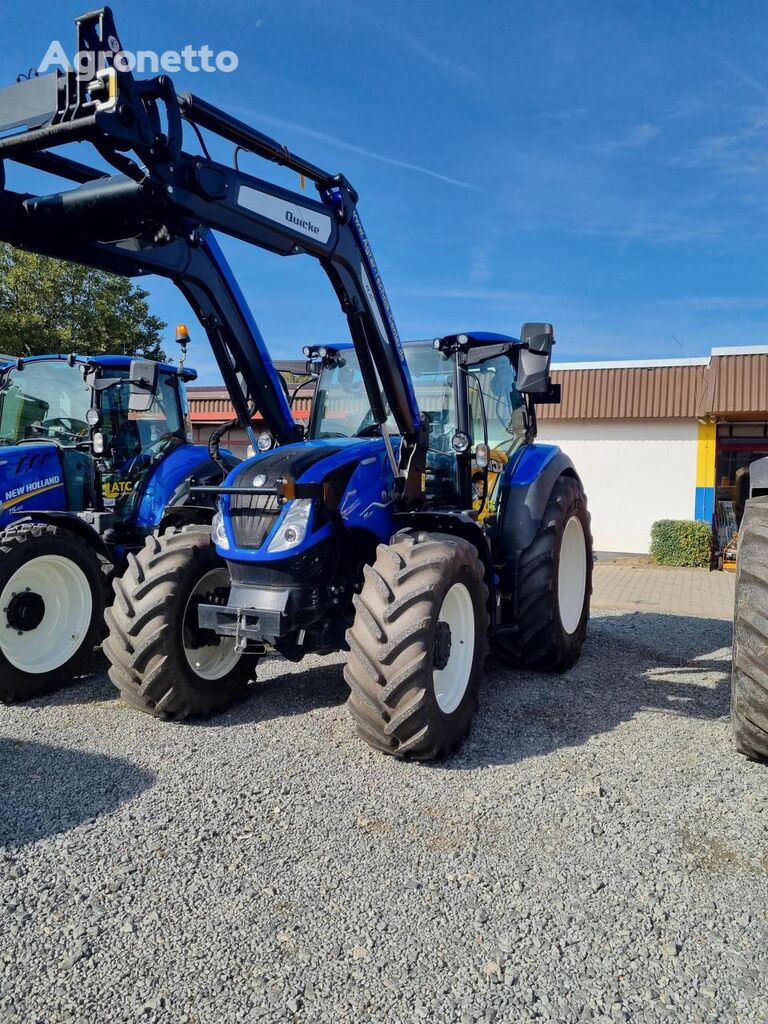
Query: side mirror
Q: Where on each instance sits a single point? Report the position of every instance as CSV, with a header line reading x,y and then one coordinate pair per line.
x,y
536,341
143,385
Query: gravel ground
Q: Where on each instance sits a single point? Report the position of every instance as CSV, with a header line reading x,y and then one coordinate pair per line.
x,y
596,852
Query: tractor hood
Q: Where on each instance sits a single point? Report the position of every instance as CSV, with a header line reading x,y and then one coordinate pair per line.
x,y
356,471
304,462
31,479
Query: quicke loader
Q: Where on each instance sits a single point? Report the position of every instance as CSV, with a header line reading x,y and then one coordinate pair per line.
x,y
414,523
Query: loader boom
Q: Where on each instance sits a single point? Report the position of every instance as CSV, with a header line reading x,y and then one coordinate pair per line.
x,y
155,217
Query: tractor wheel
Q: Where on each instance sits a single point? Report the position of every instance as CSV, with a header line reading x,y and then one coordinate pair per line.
x,y
417,646
749,681
52,596
554,585
160,660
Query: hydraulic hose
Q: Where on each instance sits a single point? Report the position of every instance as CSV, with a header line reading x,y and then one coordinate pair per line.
x,y
213,444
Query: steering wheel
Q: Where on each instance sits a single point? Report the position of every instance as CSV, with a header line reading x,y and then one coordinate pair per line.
x,y
369,430
135,464
58,426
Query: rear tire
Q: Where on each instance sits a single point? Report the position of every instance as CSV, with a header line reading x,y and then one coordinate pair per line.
x,y
159,660
554,586
749,680
418,644
52,596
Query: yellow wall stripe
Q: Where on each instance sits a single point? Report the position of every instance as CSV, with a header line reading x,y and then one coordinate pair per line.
x,y
705,455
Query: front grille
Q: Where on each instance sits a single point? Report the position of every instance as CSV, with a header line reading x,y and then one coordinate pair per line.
x,y
253,516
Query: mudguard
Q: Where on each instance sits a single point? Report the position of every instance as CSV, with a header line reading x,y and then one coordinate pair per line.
x,y
31,479
525,487
171,479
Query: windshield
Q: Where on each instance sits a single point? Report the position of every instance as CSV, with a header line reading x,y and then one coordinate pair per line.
x,y
44,399
342,408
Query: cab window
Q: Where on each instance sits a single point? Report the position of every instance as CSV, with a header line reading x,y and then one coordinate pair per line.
x,y
128,433
45,399
504,405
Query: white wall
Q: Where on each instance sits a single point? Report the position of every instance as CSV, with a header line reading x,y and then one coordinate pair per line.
x,y
634,472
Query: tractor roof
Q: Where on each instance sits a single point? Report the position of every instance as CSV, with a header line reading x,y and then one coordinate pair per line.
x,y
482,337
115,362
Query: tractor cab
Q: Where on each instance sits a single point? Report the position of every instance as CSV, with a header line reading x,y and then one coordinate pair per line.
x,y
73,436
470,390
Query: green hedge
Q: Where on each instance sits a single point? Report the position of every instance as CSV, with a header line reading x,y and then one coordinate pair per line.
x,y
681,542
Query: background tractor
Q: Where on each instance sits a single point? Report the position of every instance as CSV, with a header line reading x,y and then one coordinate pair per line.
x,y
749,684
94,456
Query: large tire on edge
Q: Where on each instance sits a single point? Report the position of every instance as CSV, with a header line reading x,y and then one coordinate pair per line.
x,y
159,659
749,679
546,637
52,596
414,683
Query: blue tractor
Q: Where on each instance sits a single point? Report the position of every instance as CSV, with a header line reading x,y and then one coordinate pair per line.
x,y
412,525
94,456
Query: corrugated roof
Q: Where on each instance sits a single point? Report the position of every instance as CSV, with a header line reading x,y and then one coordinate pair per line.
x,y
727,385
740,385
628,392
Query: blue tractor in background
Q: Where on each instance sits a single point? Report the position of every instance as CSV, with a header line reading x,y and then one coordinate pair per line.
x,y
94,456
415,523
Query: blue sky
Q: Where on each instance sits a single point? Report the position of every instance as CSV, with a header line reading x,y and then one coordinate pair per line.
x,y
603,166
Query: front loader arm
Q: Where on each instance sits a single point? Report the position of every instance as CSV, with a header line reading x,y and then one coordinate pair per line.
x,y
165,196
197,267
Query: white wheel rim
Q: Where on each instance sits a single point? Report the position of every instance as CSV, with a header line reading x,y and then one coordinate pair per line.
x,y
215,660
451,682
66,594
572,575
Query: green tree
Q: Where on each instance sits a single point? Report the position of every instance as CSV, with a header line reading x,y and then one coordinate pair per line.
x,y
49,305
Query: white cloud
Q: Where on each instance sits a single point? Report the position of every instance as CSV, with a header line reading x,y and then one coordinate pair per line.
x,y
636,138
440,60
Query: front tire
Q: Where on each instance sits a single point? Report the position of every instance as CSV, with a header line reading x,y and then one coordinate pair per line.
x,y
160,661
417,646
52,596
554,586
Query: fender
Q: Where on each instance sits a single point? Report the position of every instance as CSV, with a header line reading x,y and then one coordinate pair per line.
x,y
169,483
75,522
525,487
184,509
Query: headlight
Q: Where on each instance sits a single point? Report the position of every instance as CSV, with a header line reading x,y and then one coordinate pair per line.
x,y
460,442
293,528
265,441
218,532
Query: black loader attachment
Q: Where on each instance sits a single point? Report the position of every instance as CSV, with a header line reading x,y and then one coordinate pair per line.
x,y
155,214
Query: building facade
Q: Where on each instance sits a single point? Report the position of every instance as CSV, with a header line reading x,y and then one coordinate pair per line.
x,y
662,439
